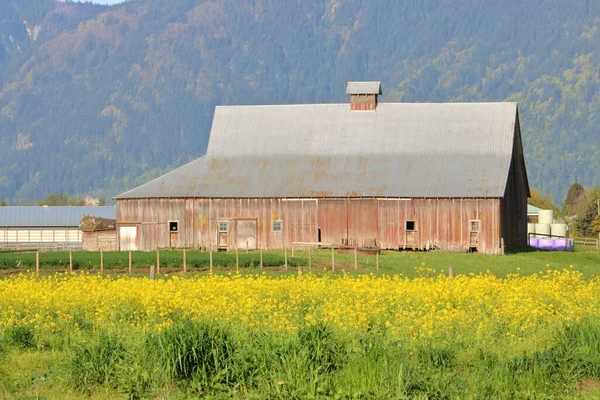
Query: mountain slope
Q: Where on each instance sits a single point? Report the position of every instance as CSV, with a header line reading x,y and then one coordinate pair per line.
x,y
118,95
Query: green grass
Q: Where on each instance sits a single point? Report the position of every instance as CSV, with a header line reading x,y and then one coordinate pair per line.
x,y
201,360
585,260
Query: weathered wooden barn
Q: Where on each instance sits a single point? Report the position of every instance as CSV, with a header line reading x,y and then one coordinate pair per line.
x,y
46,227
387,175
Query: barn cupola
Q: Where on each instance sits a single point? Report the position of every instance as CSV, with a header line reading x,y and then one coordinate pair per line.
x,y
363,95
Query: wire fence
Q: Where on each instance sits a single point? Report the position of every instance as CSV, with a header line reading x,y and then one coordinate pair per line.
x,y
302,257
168,261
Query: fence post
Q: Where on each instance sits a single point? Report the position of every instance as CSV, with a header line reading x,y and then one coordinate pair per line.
x,y
355,259
101,262
285,256
210,259
309,261
377,261
451,272
246,247
184,262
70,260
157,261
152,272
332,258
37,262
129,262
292,249
261,258
237,260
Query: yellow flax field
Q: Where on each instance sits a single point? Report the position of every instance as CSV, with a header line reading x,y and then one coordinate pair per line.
x,y
428,307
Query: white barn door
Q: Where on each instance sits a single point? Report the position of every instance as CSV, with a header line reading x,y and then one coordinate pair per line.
x,y
127,238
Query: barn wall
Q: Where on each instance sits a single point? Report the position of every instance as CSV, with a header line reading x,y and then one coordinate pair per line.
x,y
439,223
514,209
514,203
96,241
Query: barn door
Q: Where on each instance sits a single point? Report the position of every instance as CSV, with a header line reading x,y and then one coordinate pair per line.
x,y
223,235
474,229
128,238
411,234
173,233
246,234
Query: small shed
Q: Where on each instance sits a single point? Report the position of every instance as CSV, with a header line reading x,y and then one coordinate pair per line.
x,y
98,234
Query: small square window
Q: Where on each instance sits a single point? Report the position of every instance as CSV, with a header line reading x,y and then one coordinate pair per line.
x,y
173,226
475,225
409,225
277,226
223,226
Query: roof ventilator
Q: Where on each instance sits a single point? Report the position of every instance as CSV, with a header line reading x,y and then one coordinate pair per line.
x,y
363,95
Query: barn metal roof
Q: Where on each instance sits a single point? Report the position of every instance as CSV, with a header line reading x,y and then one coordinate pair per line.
x,y
363,88
326,150
40,216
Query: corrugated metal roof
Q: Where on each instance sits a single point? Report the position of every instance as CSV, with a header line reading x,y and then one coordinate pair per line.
x,y
51,216
363,88
399,150
325,176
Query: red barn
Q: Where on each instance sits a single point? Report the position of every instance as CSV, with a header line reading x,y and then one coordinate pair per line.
x,y
386,175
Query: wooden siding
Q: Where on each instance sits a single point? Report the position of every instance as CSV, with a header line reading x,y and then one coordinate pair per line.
x,y
439,223
96,241
363,102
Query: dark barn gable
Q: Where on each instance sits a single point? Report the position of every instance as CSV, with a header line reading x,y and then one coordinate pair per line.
x,y
446,176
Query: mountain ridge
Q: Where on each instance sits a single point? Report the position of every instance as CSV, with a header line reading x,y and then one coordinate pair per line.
x,y
127,92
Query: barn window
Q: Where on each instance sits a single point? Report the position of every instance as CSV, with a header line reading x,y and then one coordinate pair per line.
x,y
223,226
277,225
410,226
173,226
475,225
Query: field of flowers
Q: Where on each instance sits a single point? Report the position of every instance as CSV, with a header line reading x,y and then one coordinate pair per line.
x,y
307,336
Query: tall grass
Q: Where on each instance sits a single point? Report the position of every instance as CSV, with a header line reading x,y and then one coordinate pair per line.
x,y
200,359
19,336
95,363
196,353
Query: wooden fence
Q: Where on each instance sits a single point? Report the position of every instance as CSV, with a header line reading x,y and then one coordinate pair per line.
x,y
178,260
587,242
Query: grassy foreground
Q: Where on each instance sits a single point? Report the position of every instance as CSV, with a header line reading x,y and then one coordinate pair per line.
x,y
308,336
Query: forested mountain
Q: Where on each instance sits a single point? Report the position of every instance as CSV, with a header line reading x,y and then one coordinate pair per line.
x,y
94,100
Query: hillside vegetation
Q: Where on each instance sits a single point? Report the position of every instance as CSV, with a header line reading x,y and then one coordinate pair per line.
x,y
94,100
